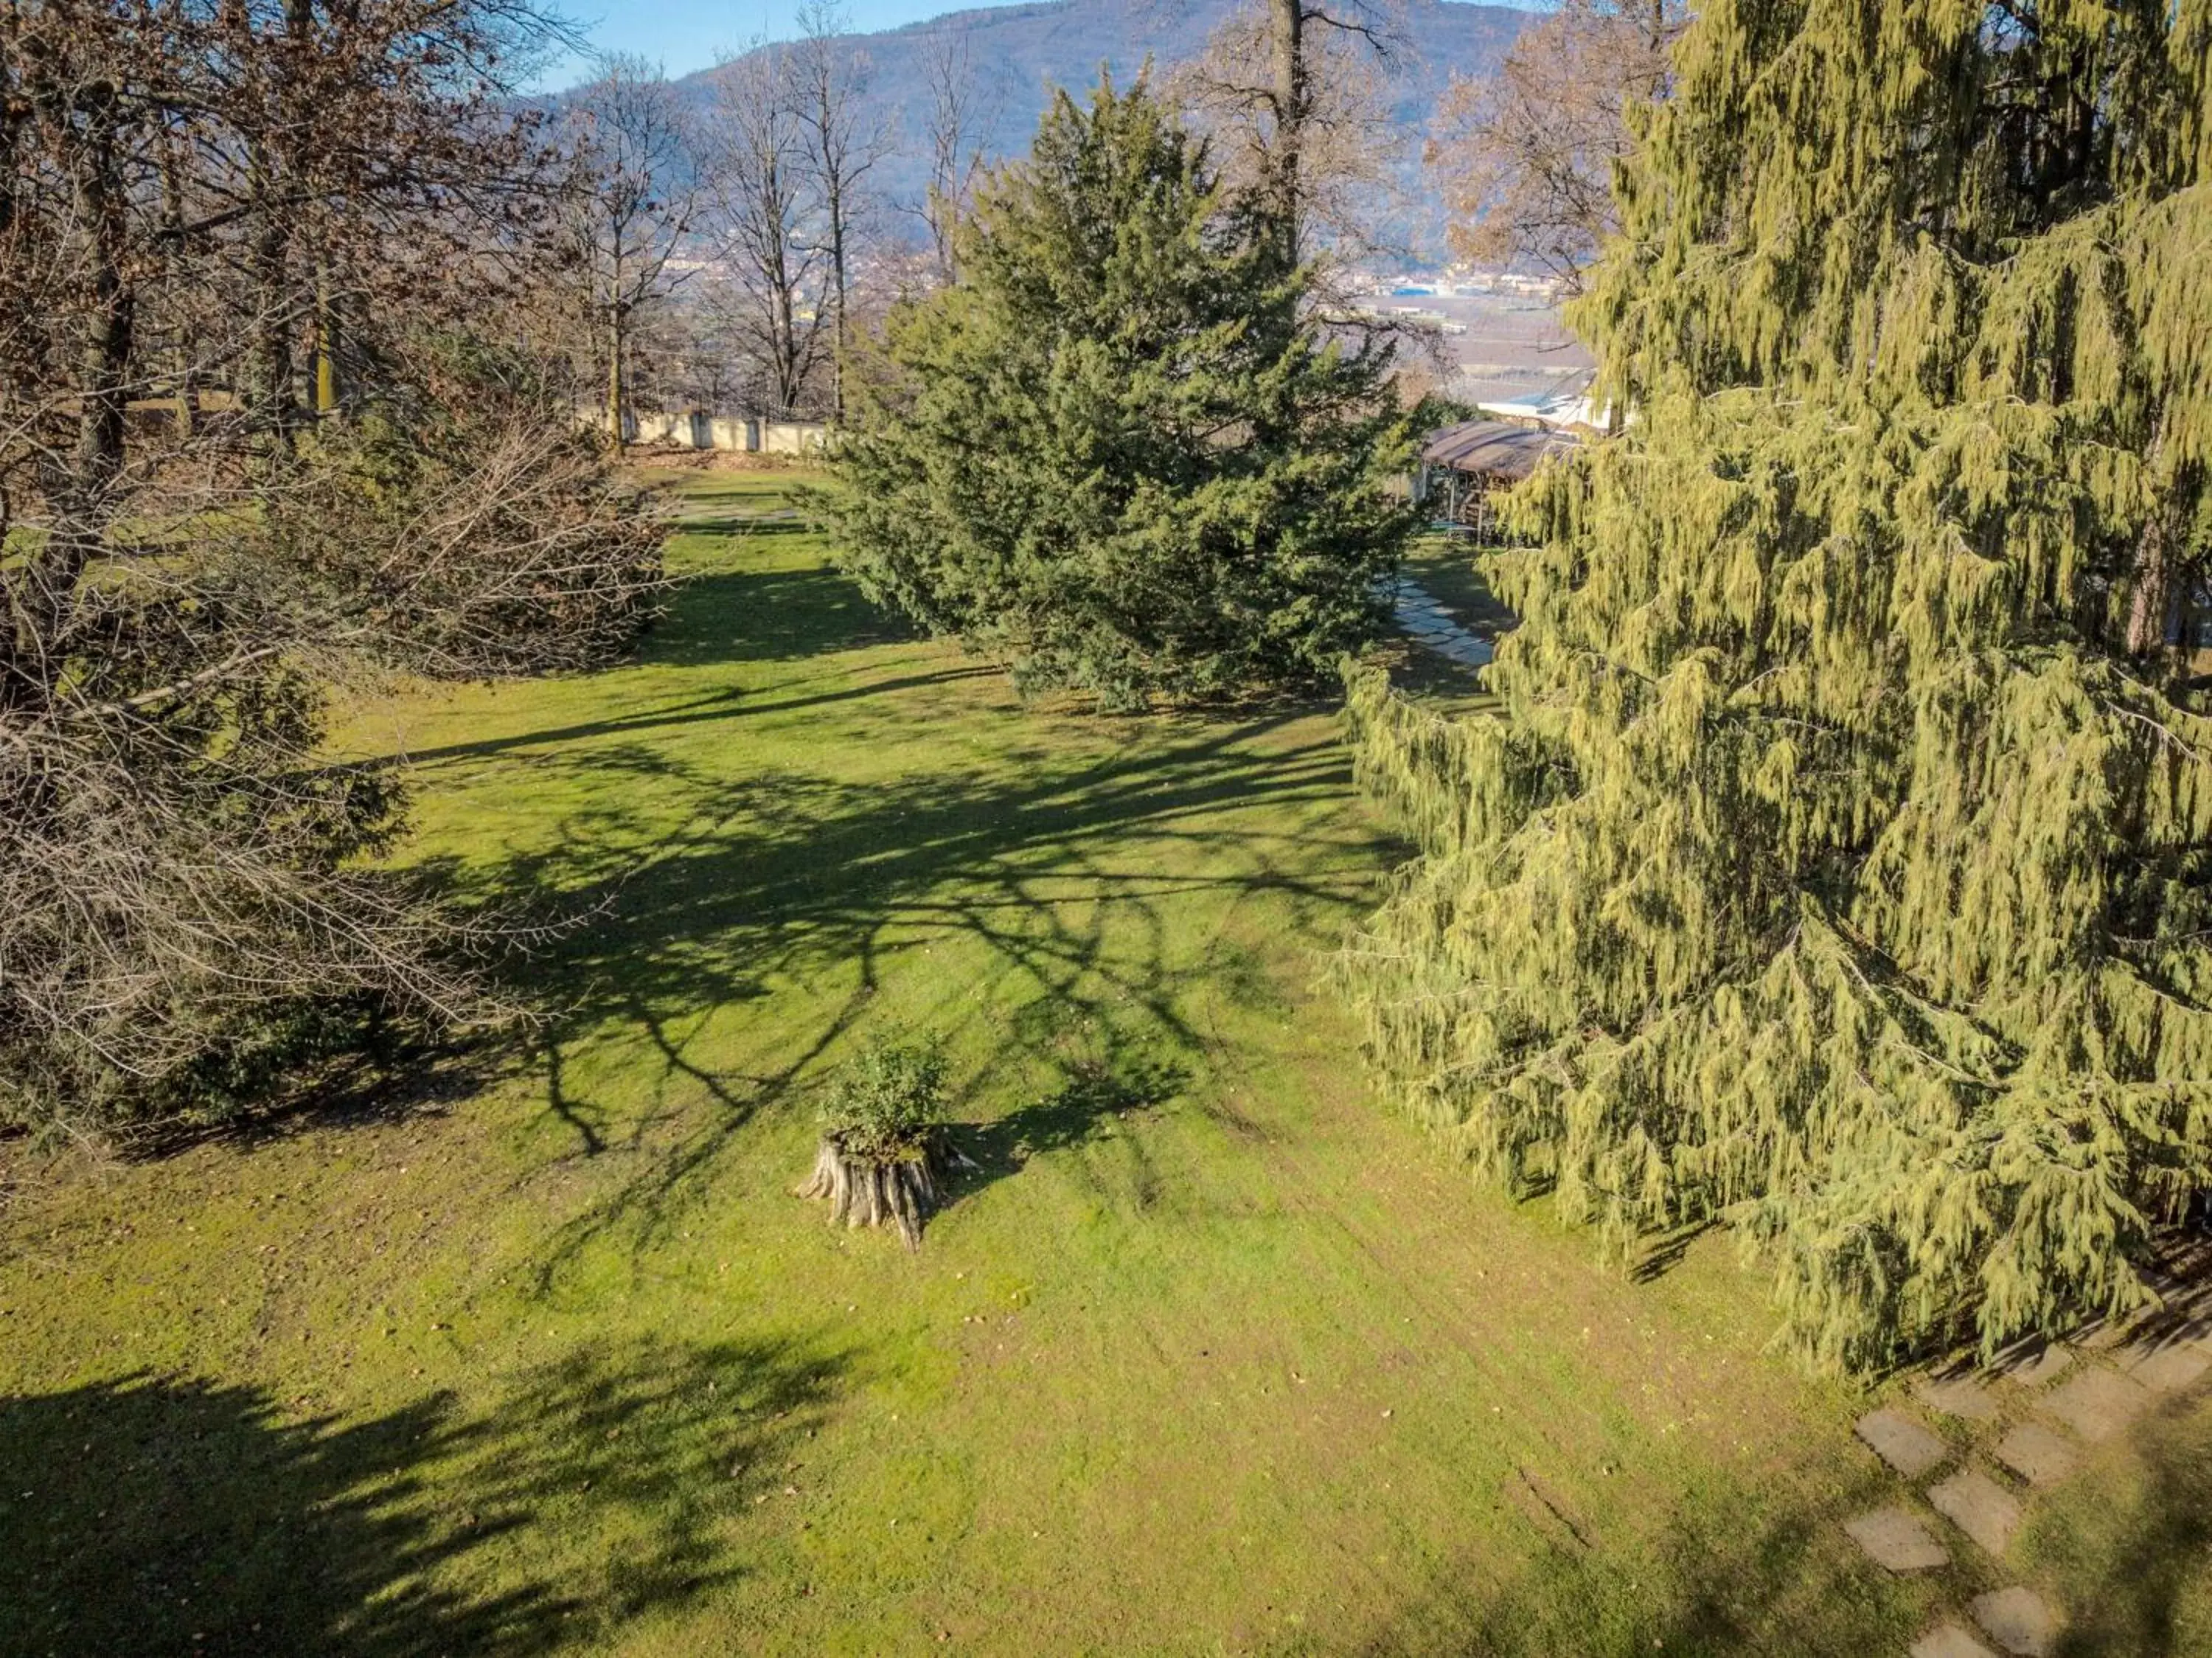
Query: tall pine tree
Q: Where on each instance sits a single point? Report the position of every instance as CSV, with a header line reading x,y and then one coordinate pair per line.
x,y
1116,454
1839,865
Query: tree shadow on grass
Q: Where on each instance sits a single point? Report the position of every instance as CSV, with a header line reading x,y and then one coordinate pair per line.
x,y
1065,872
1104,1079
727,705
2128,1543
775,615
732,521
1662,1251
153,1515
1729,1577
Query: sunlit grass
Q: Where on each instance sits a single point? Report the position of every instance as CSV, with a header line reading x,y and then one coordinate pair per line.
x,y
1207,1354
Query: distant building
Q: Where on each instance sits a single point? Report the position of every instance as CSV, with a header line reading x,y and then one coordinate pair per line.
x,y
1464,467
1563,406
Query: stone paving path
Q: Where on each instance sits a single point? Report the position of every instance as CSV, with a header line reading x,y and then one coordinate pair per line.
x,y
1432,627
2023,1428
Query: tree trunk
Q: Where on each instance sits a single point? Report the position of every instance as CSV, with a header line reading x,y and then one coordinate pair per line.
x,y
272,408
328,386
269,386
2150,602
104,363
2150,596
172,225
1286,29
899,1191
615,375
44,589
837,299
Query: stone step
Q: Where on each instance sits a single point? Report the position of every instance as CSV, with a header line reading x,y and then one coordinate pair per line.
x,y
1901,1442
1979,1507
2097,1403
2037,1454
1898,1541
1957,1396
1949,1641
2017,1620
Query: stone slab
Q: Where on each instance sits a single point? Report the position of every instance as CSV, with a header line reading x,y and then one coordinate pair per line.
x,y
2170,1369
2097,1403
1420,615
2018,1621
1901,1442
2037,1454
2167,1333
1957,1396
1979,1507
1897,1541
1949,1641
2098,1334
2031,1363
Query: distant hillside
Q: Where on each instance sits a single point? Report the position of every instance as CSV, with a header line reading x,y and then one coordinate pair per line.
x,y
1019,53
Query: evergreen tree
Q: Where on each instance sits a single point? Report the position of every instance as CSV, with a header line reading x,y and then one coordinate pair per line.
x,y
1839,866
1114,452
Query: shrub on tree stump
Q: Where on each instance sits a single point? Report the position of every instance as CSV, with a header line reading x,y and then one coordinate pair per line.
x,y
883,1153
865,1188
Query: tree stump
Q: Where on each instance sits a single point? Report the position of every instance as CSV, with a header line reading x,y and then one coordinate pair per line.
x,y
895,1188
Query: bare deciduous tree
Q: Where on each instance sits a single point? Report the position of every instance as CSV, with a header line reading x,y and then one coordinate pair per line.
x,y
766,226
841,144
1296,94
1525,159
188,188
955,120
633,204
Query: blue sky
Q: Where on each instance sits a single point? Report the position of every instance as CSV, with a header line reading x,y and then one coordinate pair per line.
x,y
684,35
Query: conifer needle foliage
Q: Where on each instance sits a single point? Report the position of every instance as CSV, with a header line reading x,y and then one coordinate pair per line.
x,y
1839,866
1118,452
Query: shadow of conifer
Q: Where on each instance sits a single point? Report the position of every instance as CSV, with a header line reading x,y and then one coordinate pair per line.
x,y
1732,1572
2127,1541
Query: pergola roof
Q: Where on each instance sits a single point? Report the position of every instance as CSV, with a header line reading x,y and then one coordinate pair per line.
x,y
1497,447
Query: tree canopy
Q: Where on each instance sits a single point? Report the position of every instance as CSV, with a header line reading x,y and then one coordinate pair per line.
x,y
251,438
1115,453
1839,865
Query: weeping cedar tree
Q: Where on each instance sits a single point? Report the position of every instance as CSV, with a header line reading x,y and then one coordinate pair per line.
x,y
1839,865
1115,453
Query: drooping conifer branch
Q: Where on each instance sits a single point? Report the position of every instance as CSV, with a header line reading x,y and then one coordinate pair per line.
x,y
1839,864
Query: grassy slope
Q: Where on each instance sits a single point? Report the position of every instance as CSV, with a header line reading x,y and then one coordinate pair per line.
x,y
1210,1355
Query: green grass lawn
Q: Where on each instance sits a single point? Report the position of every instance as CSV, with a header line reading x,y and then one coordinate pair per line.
x,y
1210,1354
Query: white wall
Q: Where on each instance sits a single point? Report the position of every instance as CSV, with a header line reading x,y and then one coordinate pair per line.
x,y
792,436
693,428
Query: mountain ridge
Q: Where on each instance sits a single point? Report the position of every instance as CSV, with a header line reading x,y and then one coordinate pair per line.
x,y
1018,54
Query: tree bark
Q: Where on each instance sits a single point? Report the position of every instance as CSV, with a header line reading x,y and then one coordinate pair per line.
x,y
104,362
271,411
45,590
2150,593
272,382
2150,602
837,300
173,225
1286,29
615,377
329,385
899,1191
